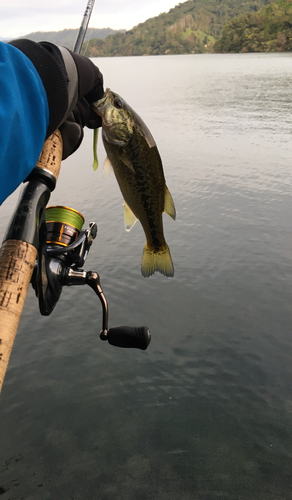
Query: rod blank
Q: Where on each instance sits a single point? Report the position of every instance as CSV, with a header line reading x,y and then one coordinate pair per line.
x,y
83,27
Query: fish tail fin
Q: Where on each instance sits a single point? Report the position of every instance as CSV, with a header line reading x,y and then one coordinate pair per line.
x,y
157,261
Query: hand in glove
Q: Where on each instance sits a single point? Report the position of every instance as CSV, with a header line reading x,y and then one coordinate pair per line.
x,y
72,82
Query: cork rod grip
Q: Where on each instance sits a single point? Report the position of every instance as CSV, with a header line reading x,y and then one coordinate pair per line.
x,y
51,155
17,259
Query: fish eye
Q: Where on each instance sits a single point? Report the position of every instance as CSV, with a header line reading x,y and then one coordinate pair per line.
x,y
118,103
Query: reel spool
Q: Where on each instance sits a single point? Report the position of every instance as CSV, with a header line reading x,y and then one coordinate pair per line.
x,y
64,225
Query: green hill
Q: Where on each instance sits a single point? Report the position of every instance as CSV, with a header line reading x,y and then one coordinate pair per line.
x,y
268,30
190,27
68,37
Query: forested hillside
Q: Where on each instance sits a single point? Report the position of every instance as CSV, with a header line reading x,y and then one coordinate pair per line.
x,y
190,27
268,30
68,37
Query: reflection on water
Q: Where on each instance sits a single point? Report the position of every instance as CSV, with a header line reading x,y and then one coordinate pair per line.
x,y
205,413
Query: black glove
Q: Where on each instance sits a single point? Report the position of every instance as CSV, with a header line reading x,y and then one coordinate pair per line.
x,y
72,82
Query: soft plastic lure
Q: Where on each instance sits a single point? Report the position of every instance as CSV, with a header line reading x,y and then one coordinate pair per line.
x,y
95,160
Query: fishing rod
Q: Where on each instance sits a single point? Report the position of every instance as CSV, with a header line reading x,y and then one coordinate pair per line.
x,y
83,27
50,253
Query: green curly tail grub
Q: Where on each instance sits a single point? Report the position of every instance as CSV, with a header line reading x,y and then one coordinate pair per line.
x,y
95,160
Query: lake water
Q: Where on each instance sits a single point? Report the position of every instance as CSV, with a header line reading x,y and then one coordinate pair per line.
x,y
206,412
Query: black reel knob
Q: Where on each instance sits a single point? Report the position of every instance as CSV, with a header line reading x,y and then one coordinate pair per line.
x,y
128,336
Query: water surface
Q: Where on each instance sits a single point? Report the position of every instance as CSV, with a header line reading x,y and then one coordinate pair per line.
x,y
206,412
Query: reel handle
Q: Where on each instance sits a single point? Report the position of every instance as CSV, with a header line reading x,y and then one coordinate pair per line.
x,y
128,336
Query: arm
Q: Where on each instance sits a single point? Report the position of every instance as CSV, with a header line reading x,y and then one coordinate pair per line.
x,y
24,118
42,87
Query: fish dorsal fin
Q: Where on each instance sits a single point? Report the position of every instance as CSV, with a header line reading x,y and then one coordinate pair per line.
x,y
126,160
107,168
130,218
169,207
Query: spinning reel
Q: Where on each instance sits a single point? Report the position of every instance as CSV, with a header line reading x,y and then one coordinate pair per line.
x,y
63,249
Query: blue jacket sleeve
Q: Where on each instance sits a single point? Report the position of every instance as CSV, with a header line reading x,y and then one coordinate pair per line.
x,y
24,118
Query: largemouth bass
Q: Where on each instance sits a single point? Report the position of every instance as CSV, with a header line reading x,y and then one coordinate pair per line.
x,y
133,154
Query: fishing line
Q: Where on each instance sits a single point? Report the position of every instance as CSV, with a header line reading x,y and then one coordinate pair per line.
x,y
65,215
85,48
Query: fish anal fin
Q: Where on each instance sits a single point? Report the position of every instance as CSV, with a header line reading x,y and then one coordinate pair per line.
x,y
130,218
169,207
107,168
157,261
126,160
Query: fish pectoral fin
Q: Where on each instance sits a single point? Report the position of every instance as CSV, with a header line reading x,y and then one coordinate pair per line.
x,y
126,160
130,218
107,168
169,207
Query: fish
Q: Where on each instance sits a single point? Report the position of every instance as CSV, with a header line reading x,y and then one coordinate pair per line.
x,y
133,155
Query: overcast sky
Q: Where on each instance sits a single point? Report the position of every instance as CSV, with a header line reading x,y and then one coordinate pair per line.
x,y
20,17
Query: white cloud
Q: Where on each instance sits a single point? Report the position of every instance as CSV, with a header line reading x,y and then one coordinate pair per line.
x,y
19,18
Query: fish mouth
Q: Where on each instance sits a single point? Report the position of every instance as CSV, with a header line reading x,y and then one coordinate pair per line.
x,y
101,102
99,105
